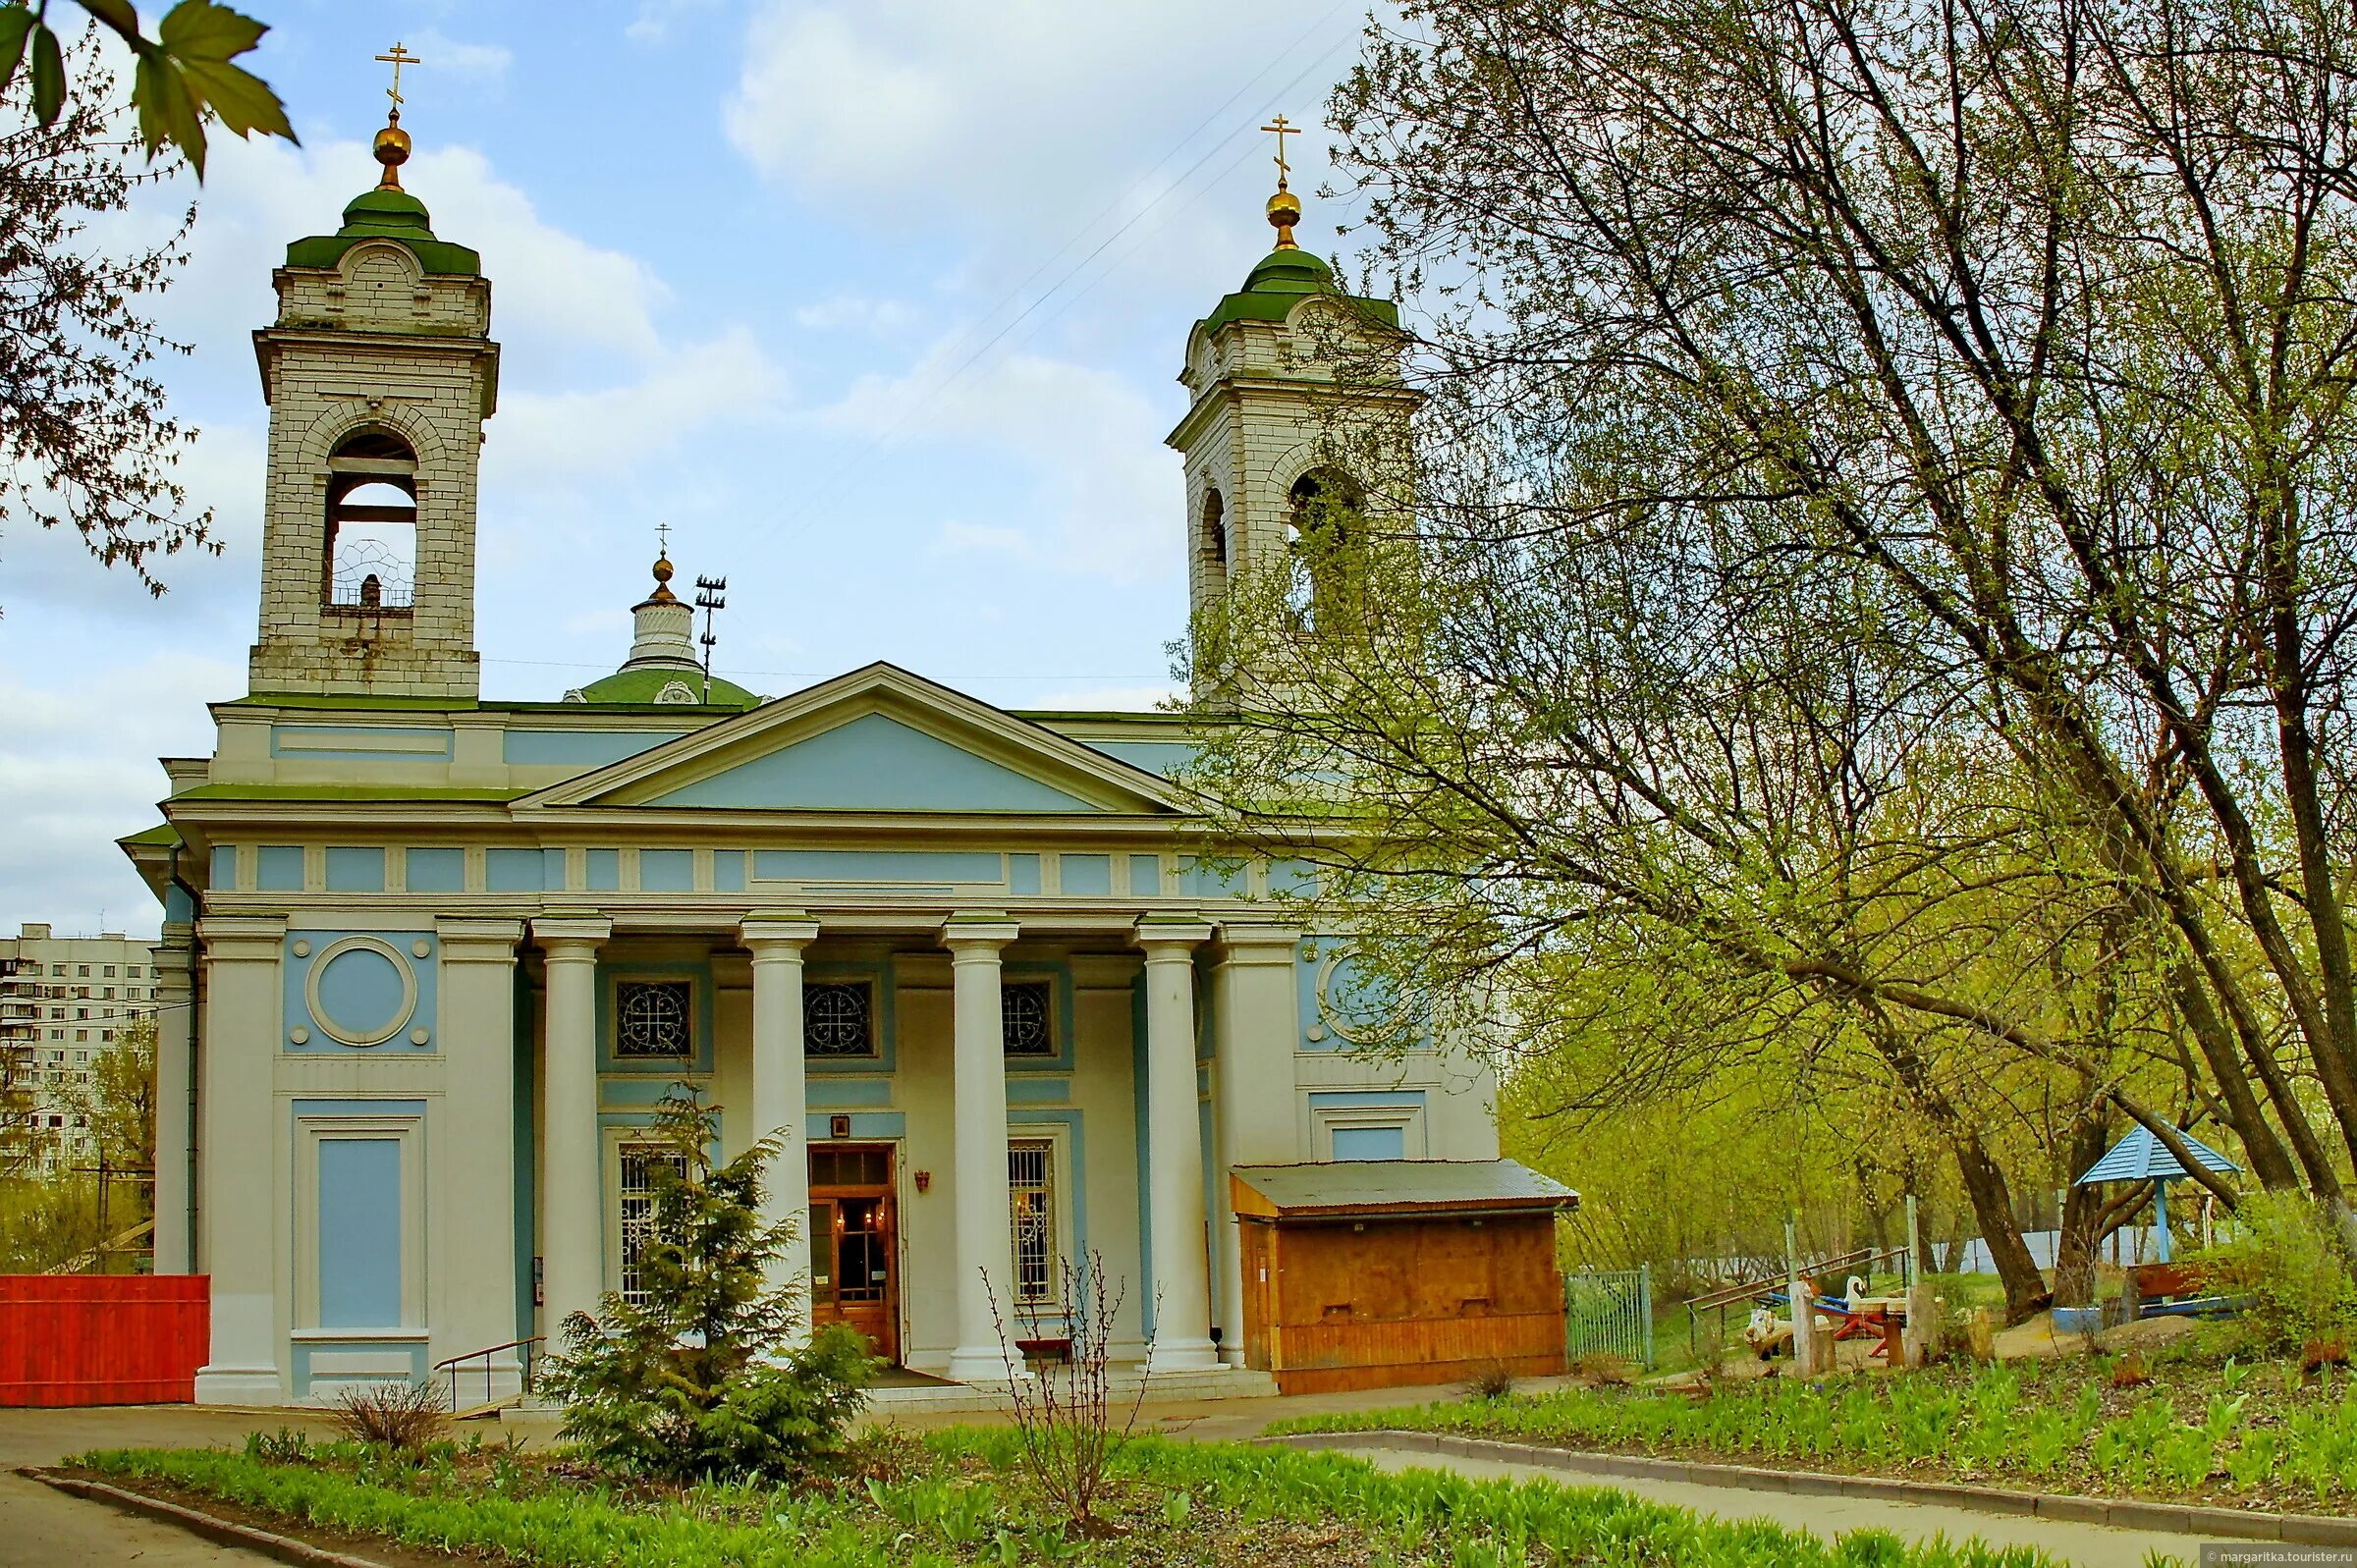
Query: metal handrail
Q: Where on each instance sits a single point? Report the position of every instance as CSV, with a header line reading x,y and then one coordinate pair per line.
x,y
451,1364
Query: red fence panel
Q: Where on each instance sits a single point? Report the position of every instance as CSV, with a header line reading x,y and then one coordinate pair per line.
x,y
102,1339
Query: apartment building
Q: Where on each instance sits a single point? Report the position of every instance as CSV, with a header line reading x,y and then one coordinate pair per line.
x,y
64,1000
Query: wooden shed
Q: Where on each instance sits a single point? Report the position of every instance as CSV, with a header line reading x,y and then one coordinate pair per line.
x,y
1367,1273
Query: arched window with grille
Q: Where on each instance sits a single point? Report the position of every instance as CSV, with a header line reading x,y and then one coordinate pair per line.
x,y
369,560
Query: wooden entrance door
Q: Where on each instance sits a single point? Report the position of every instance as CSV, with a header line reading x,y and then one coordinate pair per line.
x,y
854,1251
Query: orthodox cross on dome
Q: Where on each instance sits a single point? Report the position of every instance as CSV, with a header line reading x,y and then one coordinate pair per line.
x,y
663,540
397,59
1285,208
1282,127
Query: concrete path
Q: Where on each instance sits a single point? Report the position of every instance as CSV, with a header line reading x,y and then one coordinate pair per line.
x,y
2085,1545
40,1528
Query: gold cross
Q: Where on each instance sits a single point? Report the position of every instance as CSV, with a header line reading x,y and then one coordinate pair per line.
x,y
397,59
1283,128
663,533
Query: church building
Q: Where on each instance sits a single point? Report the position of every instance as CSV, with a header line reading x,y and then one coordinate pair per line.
x,y
431,960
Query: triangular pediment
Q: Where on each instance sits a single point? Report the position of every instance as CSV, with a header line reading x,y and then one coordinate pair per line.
x,y
878,740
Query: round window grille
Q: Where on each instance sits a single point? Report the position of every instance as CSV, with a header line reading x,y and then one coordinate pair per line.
x,y
835,1021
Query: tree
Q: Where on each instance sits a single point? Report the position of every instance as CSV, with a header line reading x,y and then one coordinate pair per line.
x,y
115,1108
184,75
1879,560
696,1380
84,440
2028,323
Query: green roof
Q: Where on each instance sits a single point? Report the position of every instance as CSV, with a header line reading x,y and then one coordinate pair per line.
x,y
163,834
641,686
386,215
1279,281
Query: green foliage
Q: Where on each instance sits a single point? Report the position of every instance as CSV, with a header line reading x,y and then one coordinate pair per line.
x,y
2285,1256
2001,1421
184,76
695,1382
962,1507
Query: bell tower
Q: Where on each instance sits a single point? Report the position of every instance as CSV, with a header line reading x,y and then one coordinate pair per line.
x,y
379,372
1295,398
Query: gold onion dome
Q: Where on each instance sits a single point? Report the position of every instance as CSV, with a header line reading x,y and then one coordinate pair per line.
x,y
663,571
1284,210
392,149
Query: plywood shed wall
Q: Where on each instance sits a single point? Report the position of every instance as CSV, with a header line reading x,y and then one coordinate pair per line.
x,y
1399,1290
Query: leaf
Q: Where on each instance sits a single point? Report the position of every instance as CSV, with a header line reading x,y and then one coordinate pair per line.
x,y
168,110
49,75
116,13
198,29
15,22
243,100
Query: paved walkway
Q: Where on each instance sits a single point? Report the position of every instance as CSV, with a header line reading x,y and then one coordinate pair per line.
x,y
2086,1545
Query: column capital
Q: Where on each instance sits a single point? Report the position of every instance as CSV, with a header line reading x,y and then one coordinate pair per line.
x,y
973,935
572,936
465,940
226,935
774,931
1166,937
1258,943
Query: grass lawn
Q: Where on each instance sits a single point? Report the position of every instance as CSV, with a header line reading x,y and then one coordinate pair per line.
x,y
2234,1435
955,1497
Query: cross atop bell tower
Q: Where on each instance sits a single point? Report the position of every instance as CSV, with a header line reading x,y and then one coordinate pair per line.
x,y
379,372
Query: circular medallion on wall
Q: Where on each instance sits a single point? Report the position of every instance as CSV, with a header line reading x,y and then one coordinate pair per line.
x,y
362,991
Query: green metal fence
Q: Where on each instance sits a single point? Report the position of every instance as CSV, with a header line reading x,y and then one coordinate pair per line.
x,y
1608,1311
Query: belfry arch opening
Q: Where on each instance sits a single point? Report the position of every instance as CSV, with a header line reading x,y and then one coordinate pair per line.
x,y
1327,505
1212,540
369,550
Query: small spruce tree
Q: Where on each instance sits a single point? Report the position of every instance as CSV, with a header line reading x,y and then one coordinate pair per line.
x,y
697,1380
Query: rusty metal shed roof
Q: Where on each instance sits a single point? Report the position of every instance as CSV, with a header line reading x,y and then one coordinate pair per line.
x,y
1399,1186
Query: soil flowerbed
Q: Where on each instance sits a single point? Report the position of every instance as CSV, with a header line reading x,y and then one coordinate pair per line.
x,y
2225,1436
957,1499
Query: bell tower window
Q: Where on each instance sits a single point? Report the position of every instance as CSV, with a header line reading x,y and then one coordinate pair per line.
x,y
370,554
1326,506
1213,541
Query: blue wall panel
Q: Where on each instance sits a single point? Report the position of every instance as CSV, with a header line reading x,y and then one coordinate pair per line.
x,y
278,868
1370,1143
1089,876
437,871
355,869
360,1232
667,870
873,763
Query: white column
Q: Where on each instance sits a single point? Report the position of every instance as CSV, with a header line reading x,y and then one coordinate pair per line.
x,y
243,1213
573,1272
473,1248
978,1083
1175,1150
174,1088
1253,1122
780,1104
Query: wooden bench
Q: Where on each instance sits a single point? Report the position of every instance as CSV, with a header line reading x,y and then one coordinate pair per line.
x,y
1059,1350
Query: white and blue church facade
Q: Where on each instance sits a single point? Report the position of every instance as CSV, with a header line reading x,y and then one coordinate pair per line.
x,y
431,960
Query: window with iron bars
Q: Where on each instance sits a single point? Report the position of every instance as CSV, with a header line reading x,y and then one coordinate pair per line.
x,y
637,1210
1031,1203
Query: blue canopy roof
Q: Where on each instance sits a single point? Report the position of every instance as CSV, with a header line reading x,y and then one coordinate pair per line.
x,y
2141,1156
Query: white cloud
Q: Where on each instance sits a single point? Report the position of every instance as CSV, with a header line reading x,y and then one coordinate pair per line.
x,y
479,62
959,537
78,770
1002,112
540,436
856,312
1103,481
1113,699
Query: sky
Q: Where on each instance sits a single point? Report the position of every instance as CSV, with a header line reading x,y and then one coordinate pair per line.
x,y
878,303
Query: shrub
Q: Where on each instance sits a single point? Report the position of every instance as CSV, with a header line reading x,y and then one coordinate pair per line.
x,y
698,1382
1069,1426
2286,1258
1604,1369
1490,1380
403,1416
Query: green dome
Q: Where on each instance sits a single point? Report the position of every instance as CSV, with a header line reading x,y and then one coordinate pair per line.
x,y
394,213
1289,271
644,688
